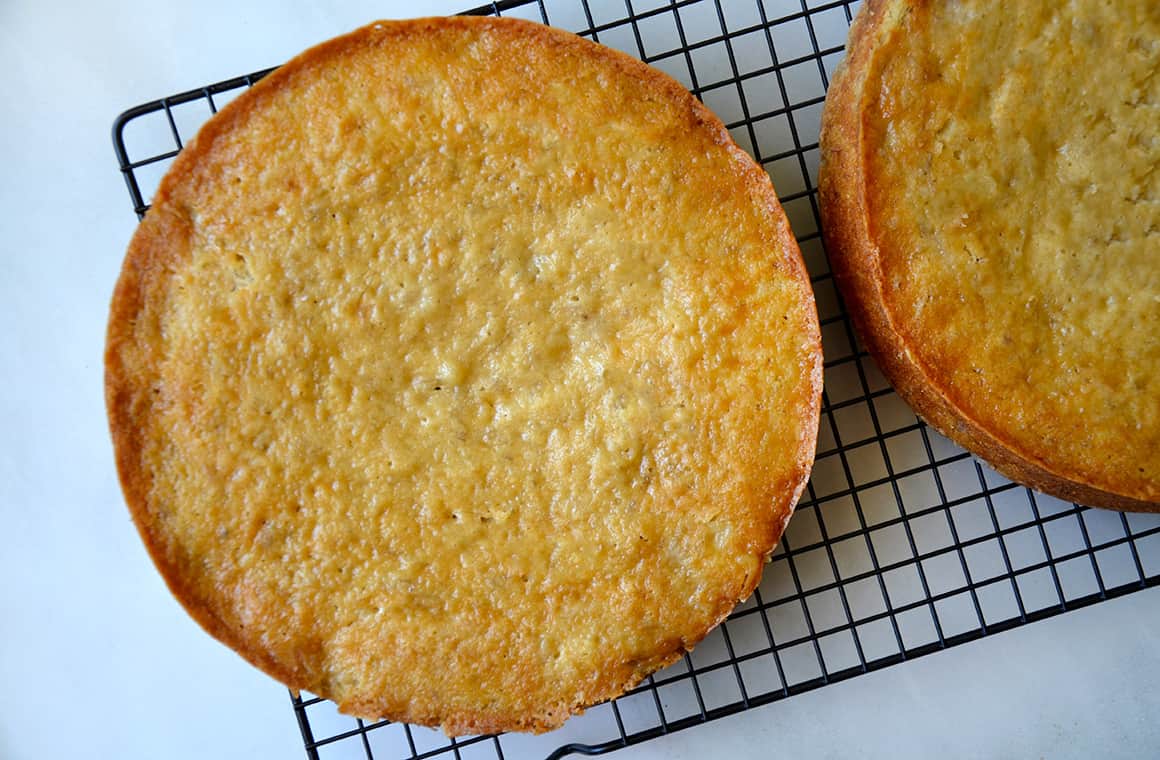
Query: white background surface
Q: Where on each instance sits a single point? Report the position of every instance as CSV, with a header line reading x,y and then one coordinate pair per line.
x,y
96,660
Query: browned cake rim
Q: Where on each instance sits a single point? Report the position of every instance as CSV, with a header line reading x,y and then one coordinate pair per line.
x,y
854,255
155,248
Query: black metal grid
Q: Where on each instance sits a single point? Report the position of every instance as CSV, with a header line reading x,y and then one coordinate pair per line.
x,y
903,544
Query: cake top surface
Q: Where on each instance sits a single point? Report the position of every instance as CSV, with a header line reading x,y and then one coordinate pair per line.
x,y
1009,153
463,372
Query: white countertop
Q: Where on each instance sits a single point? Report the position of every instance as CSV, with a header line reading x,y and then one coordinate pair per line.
x,y
96,659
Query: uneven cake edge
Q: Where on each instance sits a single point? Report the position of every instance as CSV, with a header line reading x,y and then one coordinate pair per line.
x,y
159,242
854,258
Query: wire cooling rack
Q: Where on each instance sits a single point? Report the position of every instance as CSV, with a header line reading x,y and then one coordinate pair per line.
x,y
903,544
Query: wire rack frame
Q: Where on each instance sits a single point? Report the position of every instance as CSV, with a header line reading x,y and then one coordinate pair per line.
x,y
903,543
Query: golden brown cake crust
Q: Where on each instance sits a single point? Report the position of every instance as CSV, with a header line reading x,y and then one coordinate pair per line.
x,y
405,412
936,299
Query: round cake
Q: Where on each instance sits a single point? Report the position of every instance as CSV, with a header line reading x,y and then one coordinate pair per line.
x,y
991,210
463,372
